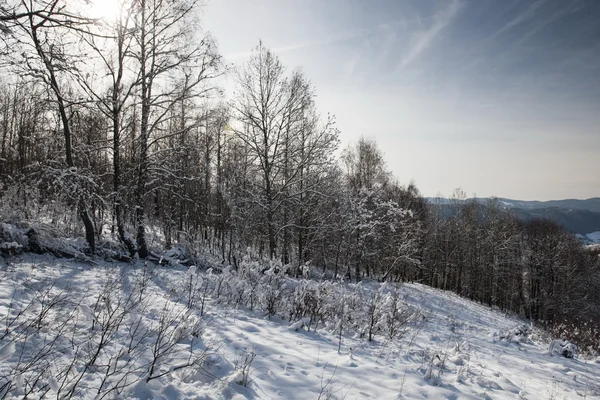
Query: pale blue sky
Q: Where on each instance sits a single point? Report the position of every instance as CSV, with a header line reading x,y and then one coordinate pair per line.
x,y
499,97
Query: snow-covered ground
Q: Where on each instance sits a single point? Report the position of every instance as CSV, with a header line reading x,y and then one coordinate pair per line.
x,y
590,238
594,237
454,350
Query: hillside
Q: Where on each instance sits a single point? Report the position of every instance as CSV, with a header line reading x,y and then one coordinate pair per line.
x,y
592,204
582,222
578,216
449,347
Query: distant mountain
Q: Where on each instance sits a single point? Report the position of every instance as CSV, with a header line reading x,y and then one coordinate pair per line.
x,y
582,222
592,204
579,216
591,239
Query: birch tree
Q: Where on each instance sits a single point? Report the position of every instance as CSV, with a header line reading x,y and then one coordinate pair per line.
x,y
277,122
44,28
174,65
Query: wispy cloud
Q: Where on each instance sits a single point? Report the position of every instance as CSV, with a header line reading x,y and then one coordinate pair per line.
x,y
543,23
332,39
387,30
425,38
521,18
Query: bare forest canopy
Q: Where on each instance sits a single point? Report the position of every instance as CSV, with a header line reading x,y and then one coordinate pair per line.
x,y
115,129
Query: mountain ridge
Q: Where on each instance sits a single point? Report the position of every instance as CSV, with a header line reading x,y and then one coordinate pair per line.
x,y
591,204
580,216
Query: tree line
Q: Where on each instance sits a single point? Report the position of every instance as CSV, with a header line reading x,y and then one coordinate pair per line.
x,y
118,129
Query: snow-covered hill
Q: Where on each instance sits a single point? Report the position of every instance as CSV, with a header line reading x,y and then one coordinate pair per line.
x,y
592,204
58,314
581,217
591,238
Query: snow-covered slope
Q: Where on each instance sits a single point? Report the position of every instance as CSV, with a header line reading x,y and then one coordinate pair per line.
x,y
592,204
455,350
590,238
594,237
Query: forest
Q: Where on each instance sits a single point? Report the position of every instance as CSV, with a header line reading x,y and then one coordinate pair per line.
x,y
118,133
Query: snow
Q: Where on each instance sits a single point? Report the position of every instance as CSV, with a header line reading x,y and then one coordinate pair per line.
x,y
590,238
456,349
10,246
594,237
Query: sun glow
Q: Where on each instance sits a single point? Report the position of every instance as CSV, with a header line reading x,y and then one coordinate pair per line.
x,y
107,10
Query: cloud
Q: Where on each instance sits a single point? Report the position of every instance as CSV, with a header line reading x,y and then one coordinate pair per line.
x,y
523,17
385,29
543,23
425,38
335,38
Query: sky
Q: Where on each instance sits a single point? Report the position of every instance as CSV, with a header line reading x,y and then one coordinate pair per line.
x,y
500,98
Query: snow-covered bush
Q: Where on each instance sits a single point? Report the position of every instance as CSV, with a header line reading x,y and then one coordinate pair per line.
x,y
562,347
585,335
12,238
396,314
40,238
272,293
176,256
309,300
243,367
10,248
518,333
369,310
75,342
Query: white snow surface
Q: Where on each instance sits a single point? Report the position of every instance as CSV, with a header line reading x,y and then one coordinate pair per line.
x,y
594,237
454,353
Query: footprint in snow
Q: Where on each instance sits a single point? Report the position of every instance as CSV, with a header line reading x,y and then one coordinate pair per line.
x,y
288,367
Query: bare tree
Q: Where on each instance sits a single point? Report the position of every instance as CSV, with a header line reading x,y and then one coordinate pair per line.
x,y
279,126
112,47
173,67
45,24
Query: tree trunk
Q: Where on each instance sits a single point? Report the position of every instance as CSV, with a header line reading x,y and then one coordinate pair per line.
x,y
146,88
83,214
116,109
